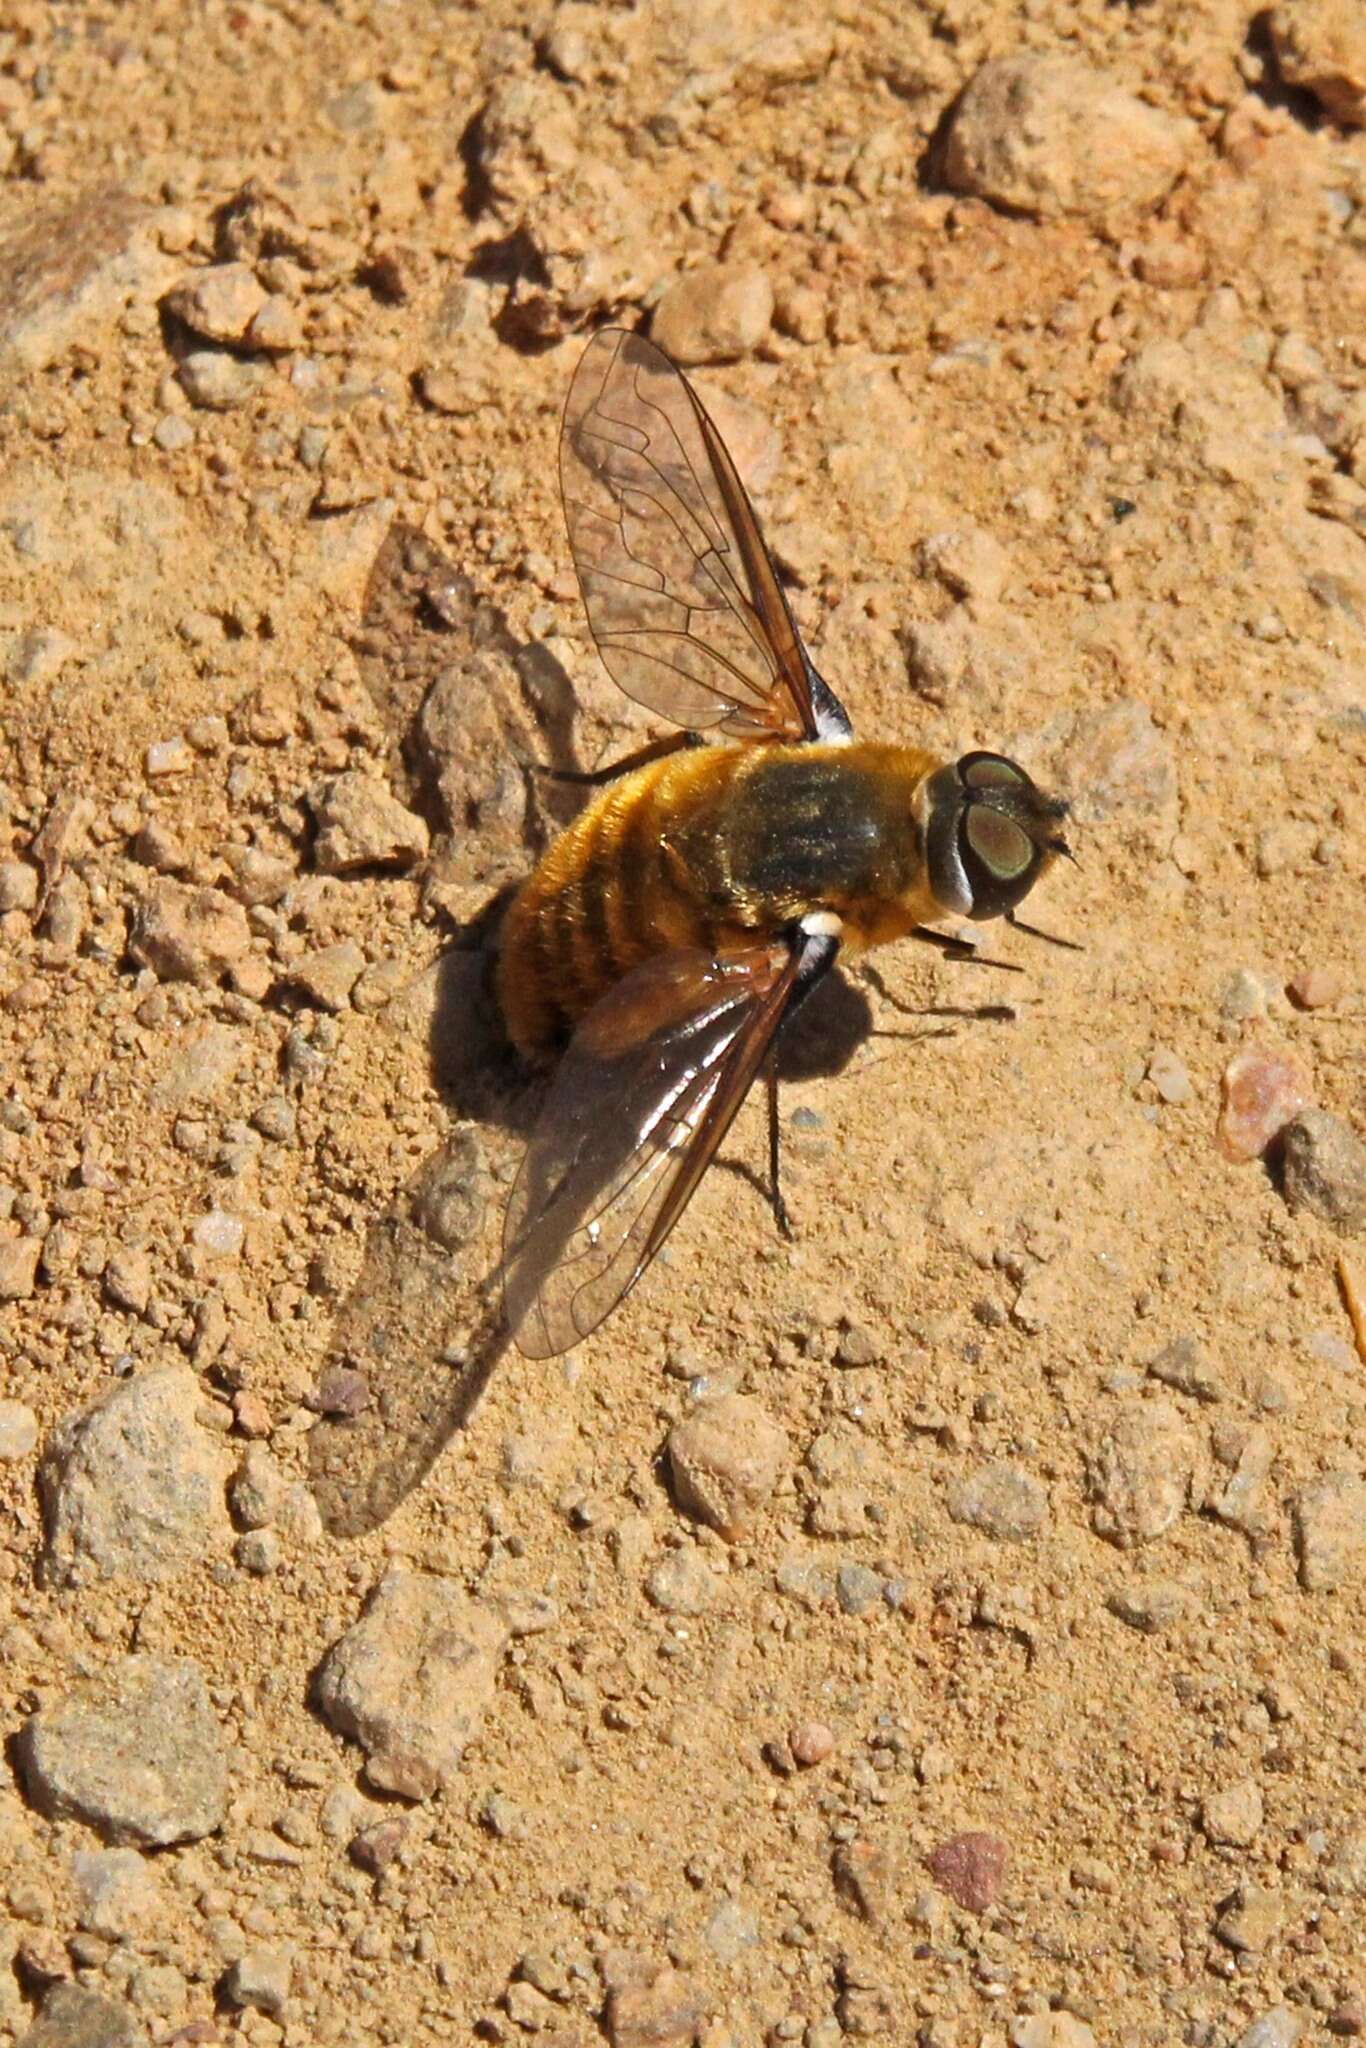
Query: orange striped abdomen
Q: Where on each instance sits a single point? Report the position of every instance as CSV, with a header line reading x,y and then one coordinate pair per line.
x,y
606,895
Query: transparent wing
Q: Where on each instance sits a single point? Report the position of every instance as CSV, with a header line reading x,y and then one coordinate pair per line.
x,y
639,1104
681,596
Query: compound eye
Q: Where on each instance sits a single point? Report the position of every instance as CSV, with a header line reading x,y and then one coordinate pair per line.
x,y
991,771
1004,848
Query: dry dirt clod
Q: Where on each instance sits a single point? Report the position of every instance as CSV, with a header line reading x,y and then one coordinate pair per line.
x,y
1234,1816
219,302
327,976
215,382
135,1751
725,1459
649,2004
360,824
1320,47
1049,135
1330,1531
412,1680
18,1430
1001,1500
261,1979
1251,1920
1051,2030
188,934
864,1879
1144,1474
19,1267
714,314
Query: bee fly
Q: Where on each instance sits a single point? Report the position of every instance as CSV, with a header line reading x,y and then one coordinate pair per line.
x,y
672,929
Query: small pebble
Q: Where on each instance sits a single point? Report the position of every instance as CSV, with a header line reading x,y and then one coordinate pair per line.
x,y
1316,988
714,314
217,382
360,824
682,1583
152,1714
1046,134
1264,1087
19,1267
1234,1816
1329,1521
261,1978
1323,1169
1169,1075
1281,2027
326,977
725,1459
811,1742
219,302
412,1680
1320,47
220,1234
1252,1920
375,1848
1002,1500
857,1589
18,886
971,1868
168,757
18,1430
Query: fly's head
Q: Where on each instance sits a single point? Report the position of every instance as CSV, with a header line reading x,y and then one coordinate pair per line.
x,y
990,832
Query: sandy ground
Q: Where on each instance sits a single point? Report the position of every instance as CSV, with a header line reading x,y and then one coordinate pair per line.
x,y
1038,1455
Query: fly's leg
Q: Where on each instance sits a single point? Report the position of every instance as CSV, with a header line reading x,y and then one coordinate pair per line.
x,y
595,778
780,1215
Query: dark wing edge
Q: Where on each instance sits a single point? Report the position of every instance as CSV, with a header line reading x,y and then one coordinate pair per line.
x,y
642,1099
682,598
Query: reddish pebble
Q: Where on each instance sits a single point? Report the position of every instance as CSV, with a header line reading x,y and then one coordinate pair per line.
x,y
1316,988
1348,2020
251,1413
811,1742
341,1391
1264,1087
970,1868
374,1849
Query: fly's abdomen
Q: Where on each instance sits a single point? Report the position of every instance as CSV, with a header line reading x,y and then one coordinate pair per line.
x,y
608,894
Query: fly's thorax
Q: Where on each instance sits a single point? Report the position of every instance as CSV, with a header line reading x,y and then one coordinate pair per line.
x,y
989,833
815,824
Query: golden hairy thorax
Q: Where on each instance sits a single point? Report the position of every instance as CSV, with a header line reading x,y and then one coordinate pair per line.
x,y
714,846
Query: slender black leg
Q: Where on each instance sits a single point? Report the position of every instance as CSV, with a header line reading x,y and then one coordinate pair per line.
x,y
594,778
780,1215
